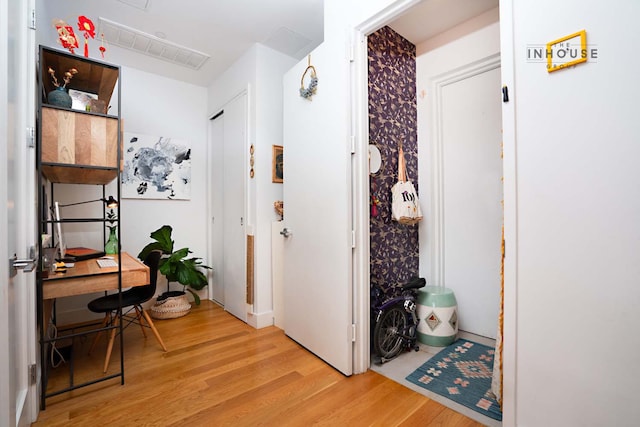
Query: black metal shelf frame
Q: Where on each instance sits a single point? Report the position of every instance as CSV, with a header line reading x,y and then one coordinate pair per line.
x,y
44,223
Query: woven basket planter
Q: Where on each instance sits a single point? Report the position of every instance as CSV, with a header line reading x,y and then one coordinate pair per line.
x,y
171,307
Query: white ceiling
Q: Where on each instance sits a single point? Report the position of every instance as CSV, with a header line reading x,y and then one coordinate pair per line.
x,y
222,29
225,29
432,17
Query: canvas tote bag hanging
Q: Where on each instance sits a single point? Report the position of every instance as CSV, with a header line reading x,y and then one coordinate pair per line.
x,y
405,207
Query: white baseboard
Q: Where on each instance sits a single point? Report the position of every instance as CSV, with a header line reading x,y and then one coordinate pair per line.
x,y
260,320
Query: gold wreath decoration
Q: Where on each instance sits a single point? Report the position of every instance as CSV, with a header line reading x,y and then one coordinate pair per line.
x,y
308,92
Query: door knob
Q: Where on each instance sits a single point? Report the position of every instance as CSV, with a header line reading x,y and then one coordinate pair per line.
x,y
286,232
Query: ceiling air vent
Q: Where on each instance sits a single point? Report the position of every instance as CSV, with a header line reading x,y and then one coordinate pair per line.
x,y
139,4
120,35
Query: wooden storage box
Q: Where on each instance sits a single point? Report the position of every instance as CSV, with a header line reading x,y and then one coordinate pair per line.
x,y
71,140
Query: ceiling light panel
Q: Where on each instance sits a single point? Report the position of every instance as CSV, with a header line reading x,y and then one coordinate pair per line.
x,y
129,38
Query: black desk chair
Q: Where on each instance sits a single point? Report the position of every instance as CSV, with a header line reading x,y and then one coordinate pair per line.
x,y
133,298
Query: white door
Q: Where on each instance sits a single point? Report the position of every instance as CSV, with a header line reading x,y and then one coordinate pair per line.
x,y
18,403
233,207
472,194
317,206
216,192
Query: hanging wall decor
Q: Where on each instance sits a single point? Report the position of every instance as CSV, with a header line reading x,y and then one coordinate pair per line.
x,y
309,91
66,36
277,165
156,167
251,162
102,48
68,39
86,26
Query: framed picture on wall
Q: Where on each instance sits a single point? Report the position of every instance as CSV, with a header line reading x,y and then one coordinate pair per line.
x,y
277,165
156,167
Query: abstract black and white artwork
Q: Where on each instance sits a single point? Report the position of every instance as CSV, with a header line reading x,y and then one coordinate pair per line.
x,y
156,167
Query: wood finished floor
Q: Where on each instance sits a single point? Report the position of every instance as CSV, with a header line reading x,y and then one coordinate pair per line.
x,y
219,371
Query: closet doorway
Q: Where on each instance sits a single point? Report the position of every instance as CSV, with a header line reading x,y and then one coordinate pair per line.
x,y
459,138
227,132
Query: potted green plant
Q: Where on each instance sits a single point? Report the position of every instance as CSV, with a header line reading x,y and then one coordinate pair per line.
x,y
176,266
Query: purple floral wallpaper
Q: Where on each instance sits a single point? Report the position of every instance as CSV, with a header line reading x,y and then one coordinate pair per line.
x,y
392,120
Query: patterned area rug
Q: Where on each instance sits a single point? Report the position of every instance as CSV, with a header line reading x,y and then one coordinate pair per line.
x,y
462,373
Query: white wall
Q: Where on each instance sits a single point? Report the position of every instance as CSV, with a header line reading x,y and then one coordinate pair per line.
x,y
271,66
259,72
578,205
151,105
155,105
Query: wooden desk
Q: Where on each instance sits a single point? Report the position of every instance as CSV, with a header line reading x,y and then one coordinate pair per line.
x,y
87,277
84,278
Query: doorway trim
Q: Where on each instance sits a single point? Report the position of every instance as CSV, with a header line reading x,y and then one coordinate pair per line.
x,y
360,131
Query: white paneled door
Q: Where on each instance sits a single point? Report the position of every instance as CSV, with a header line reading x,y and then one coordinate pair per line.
x,y
18,401
317,247
233,207
472,194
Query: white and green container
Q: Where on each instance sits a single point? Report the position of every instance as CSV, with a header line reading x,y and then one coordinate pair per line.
x,y
438,316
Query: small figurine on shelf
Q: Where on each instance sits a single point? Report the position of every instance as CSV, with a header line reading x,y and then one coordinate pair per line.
x,y
59,95
279,207
67,77
111,247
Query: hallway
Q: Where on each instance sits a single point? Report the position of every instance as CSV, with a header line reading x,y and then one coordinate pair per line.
x,y
220,371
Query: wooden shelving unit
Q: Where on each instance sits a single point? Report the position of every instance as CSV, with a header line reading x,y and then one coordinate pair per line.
x,y
75,147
